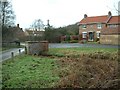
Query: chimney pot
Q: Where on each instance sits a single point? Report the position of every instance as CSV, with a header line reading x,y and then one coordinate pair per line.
x,y
17,25
85,15
109,13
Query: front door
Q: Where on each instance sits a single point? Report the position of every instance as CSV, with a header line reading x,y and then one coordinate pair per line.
x,y
91,36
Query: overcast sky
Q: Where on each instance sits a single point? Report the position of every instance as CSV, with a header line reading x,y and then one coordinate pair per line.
x,y
60,12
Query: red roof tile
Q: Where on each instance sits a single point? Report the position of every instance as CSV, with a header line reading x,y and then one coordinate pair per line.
x,y
96,19
100,19
114,19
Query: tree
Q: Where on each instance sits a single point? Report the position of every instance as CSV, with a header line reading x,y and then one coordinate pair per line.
x,y
52,35
7,13
117,9
37,25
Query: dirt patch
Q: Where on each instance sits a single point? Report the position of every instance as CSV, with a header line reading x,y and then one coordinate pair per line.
x,y
88,71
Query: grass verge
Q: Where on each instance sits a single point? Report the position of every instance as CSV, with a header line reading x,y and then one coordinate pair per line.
x,y
29,72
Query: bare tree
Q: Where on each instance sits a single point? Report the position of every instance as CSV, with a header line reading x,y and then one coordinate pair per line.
x,y
37,25
117,9
7,13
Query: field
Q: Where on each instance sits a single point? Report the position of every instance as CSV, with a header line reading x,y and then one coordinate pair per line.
x,y
63,67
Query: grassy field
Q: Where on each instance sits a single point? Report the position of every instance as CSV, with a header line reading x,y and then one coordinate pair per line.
x,y
63,67
71,52
29,71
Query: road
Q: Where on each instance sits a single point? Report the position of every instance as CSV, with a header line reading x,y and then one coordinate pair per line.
x,y
7,54
69,45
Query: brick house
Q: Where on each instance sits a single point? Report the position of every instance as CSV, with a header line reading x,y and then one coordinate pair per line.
x,y
112,32
34,33
99,28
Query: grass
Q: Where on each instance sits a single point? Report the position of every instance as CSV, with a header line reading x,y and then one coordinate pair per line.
x,y
79,51
63,67
29,71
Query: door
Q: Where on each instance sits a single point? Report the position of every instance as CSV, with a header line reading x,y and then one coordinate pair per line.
x,y
91,36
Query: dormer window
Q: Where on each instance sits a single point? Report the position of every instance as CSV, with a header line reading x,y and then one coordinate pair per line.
x,y
84,26
99,26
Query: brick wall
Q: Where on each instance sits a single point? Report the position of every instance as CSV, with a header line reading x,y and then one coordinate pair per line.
x,y
111,30
36,47
91,27
110,39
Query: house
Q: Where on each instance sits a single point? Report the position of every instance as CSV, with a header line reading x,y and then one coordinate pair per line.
x,y
13,36
112,33
100,28
34,33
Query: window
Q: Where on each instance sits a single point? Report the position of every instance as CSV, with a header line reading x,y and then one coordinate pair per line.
x,y
98,34
112,25
84,34
84,26
99,26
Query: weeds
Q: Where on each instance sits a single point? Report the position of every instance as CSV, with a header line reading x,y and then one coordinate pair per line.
x,y
64,68
85,72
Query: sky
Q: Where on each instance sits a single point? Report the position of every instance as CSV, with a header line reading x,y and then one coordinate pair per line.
x,y
60,12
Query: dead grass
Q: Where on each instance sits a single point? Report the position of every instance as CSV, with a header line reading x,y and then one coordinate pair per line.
x,y
89,71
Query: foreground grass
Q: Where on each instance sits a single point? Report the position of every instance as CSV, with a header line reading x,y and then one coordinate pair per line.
x,y
63,67
29,71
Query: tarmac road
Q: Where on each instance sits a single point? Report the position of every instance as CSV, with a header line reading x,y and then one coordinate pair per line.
x,y
70,45
7,53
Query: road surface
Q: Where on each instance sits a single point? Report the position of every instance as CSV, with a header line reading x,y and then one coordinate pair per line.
x,y
7,53
69,45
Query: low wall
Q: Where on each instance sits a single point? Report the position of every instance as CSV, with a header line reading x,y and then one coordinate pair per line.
x,y
110,39
36,47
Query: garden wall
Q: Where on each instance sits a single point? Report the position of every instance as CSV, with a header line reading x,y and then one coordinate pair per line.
x,y
110,39
36,47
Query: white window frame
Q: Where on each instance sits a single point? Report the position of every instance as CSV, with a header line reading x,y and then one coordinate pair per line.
x,y
98,34
112,25
84,34
99,26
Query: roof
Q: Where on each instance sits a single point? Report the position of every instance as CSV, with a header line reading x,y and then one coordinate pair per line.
x,y
95,19
100,19
114,19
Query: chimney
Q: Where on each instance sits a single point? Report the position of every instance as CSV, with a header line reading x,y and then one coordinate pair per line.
x,y
85,15
48,23
17,25
109,14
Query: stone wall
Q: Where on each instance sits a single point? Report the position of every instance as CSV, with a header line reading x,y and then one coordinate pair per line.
x,y
110,39
36,47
